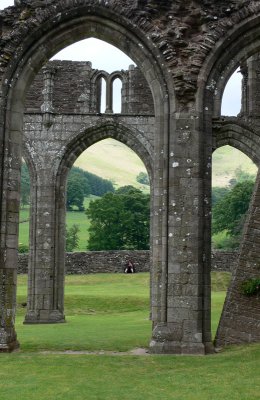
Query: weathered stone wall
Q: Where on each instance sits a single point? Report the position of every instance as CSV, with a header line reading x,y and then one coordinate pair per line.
x,y
74,89
187,51
224,260
114,261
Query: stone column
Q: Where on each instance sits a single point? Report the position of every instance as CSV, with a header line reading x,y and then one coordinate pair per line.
x,y
253,91
244,99
109,96
9,199
183,322
47,106
45,280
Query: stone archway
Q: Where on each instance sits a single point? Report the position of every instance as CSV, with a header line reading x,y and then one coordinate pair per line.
x,y
83,22
47,306
181,59
240,317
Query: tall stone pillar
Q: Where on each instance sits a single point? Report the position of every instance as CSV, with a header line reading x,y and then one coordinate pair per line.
x,y
253,81
9,219
183,323
109,96
45,280
244,98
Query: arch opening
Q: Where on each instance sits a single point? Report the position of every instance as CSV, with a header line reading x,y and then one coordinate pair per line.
x,y
232,95
102,168
238,48
117,86
34,53
111,147
49,107
233,179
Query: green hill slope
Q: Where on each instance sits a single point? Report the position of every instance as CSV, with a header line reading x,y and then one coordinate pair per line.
x,y
113,160
226,160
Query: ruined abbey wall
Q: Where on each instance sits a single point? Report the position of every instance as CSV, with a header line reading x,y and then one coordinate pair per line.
x,y
186,52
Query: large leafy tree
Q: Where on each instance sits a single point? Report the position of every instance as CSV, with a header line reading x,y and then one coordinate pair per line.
x,y
75,192
229,212
119,221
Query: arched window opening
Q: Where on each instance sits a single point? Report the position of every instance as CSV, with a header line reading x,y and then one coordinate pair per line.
x,y
232,96
105,167
117,96
6,3
233,178
102,95
103,55
114,219
64,119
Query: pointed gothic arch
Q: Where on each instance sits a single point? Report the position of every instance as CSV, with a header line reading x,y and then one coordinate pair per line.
x,y
36,48
237,47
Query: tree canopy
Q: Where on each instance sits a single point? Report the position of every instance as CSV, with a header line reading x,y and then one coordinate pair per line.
x,y
81,184
230,211
143,178
119,221
72,237
75,192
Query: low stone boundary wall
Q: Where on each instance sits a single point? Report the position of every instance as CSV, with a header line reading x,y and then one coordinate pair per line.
x,y
114,261
224,260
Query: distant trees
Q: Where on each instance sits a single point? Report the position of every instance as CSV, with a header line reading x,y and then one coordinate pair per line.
x,y
72,237
77,189
81,184
143,178
230,211
119,220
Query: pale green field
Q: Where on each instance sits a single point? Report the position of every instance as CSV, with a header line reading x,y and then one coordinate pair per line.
x,y
112,160
224,163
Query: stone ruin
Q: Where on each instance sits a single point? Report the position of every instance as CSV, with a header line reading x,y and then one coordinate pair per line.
x,y
171,117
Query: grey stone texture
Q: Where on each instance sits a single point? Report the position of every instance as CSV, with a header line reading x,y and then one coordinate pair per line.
x,y
185,52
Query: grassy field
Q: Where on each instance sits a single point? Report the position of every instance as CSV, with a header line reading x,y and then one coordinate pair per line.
x,y
110,312
112,160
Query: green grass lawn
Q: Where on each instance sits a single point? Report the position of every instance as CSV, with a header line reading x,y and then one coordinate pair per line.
x,y
110,312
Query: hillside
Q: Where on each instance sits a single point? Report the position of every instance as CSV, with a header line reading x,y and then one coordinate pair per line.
x,y
113,160
226,161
